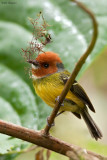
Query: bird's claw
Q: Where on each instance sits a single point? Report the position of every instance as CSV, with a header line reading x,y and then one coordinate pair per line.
x,y
57,100
53,124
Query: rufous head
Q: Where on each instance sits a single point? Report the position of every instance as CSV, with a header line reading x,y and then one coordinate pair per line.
x,y
45,64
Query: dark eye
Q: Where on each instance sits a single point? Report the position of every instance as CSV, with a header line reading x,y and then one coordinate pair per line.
x,y
46,65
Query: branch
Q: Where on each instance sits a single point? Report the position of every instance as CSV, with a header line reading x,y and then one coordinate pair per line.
x,y
49,142
76,70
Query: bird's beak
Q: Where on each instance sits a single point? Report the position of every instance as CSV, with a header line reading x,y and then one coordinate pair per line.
x,y
34,62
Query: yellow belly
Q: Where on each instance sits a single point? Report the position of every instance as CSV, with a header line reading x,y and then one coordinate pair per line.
x,y
50,91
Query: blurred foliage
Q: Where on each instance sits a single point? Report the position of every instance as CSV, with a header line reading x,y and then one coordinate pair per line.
x,y
71,32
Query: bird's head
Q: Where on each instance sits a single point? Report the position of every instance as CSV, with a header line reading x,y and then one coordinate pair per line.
x,y
45,64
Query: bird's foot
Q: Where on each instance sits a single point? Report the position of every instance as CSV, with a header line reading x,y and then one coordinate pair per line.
x,y
57,100
53,124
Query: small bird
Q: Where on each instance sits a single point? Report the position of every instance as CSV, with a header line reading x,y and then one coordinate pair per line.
x,y
49,78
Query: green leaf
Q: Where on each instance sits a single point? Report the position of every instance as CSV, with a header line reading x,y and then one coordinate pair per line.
x,y
5,108
11,42
71,32
17,105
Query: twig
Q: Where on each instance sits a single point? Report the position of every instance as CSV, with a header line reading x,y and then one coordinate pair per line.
x,y
49,142
76,69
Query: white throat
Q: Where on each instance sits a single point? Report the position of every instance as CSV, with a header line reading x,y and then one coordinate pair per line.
x,y
33,76
35,67
37,77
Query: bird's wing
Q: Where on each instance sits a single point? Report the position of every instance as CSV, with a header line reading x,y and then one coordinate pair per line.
x,y
78,91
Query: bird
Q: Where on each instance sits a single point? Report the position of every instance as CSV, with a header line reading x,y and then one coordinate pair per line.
x,y
49,78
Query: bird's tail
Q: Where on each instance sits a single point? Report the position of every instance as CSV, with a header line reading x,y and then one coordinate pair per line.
x,y
93,129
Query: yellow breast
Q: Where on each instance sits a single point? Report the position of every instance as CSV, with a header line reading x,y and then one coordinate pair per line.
x,y
49,88
47,91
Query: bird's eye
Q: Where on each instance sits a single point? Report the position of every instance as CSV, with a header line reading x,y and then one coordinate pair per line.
x,y
46,65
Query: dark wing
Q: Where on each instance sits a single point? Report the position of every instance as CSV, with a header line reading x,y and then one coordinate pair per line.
x,y
80,93
77,115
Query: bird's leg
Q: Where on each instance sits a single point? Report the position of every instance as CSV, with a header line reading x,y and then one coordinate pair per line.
x,y
57,99
53,124
59,113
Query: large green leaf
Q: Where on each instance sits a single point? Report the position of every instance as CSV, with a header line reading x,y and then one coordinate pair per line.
x,y
17,105
71,31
